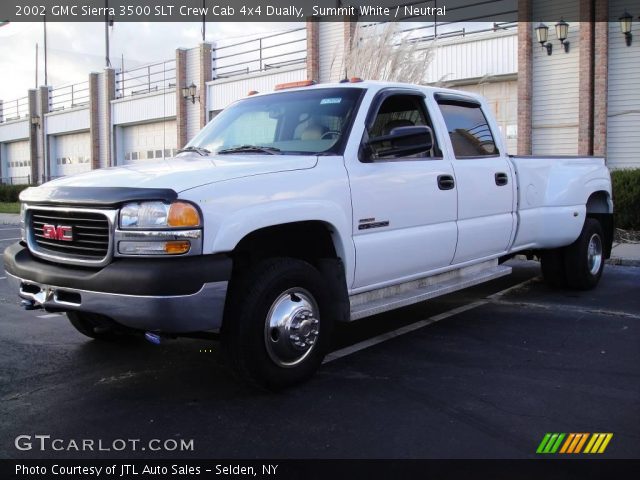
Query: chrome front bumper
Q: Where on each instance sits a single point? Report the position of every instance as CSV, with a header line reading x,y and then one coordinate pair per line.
x,y
201,311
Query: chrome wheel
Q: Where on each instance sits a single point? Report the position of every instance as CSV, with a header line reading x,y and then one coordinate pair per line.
x,y
594,254
292,326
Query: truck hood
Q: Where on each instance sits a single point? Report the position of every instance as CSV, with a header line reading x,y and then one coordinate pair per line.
x,y
187,171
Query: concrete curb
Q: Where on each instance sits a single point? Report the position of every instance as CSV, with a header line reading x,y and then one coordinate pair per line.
x,y
9,219
624,262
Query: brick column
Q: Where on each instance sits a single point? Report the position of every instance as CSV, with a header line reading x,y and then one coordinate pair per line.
x,y
43,101
106,130
33,134
94,119
600,83
525,77
181,108
585,89
206,74
313,49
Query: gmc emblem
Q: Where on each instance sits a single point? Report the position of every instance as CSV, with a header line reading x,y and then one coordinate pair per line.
x,y
61,233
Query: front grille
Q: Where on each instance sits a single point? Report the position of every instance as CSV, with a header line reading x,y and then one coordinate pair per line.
x,y
89,234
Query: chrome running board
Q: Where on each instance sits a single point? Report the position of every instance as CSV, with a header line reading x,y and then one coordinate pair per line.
x,y
397,296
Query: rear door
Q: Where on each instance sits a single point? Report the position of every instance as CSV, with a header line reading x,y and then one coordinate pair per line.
x,y
404,207
484,180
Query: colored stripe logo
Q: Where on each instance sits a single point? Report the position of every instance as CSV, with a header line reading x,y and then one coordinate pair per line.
x,y
564,443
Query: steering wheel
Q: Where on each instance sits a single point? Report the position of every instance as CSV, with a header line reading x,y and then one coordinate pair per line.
x,y
330,135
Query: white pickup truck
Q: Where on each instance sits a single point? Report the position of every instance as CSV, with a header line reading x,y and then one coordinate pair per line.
x,y
296,209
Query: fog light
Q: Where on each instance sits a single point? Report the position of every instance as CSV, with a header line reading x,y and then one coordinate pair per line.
x,y
172,247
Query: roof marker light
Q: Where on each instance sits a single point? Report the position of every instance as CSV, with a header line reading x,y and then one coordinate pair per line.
x,y
301,83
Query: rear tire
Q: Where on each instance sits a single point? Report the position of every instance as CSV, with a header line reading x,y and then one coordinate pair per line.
x,y
94,326
584,258
553,268
277,326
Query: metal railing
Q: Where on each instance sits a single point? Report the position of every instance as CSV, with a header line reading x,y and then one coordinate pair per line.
x,y
155,77
69,96
265,53
23,180
14,109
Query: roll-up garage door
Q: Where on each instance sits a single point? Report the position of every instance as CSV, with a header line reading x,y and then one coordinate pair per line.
x,y
149,141
72,154
17,168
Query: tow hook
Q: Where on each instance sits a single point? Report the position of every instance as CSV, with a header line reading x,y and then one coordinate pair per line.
x,y
152,337
30,305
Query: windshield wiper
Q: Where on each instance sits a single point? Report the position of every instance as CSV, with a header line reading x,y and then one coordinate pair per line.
x,y
250,148
202,151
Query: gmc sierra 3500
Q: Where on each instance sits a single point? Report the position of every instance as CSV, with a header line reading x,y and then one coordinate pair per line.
x,y
296,209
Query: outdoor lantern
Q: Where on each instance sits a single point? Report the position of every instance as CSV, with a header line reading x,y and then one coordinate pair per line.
x,y
562,32
542,33
625,27
190,91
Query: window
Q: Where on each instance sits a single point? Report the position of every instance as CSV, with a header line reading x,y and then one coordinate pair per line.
x,y
303,122
469,131
401,110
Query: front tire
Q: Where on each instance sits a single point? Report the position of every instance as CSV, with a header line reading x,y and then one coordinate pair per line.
x,y
277,327
93,326
584,258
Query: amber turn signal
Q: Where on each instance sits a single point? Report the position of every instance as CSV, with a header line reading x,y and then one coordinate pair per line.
x,y
177,247
183,214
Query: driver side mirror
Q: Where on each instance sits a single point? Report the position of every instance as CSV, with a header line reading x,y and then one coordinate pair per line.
x,y
400,142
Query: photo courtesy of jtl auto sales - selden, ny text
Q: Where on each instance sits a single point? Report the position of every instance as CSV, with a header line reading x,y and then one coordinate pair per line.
x,y
319,239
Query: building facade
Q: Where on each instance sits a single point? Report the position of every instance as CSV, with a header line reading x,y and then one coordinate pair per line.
x,y
582,101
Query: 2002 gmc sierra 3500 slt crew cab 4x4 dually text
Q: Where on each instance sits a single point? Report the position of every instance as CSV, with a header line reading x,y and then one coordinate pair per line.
x,y
296,209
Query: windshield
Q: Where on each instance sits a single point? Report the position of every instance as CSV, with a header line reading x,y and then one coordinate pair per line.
x,y
310,121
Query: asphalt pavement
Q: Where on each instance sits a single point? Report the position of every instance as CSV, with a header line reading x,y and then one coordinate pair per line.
x,y
488,372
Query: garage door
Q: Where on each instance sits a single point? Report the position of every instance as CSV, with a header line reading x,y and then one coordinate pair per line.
x,y
149,141
18,163
72,154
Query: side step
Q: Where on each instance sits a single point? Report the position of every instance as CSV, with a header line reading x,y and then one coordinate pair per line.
x,y
397,296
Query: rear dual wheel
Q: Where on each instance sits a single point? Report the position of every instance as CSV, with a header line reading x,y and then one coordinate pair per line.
x,y
579,265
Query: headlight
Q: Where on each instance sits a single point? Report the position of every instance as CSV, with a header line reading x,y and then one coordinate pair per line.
x,y
159,215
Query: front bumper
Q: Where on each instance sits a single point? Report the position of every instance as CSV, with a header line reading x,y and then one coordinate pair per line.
x,y
174,295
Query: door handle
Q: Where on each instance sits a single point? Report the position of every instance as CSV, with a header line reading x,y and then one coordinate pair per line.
x,y
501,179
446,182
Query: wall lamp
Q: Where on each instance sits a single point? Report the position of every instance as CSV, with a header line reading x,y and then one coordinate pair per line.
x,y
542,33
562,32
190,91
625,27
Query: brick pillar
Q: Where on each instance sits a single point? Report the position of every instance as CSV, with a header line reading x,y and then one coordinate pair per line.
x,y
600,83
43,101
525,77
206,74
181,107
33,134
94,119
106,130
313,49
585,88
